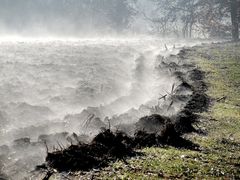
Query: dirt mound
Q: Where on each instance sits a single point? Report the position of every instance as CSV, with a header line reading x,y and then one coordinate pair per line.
x,y
196,75
154,130
184,86
153,124
21,143
105,147
183,122
183,52
198,103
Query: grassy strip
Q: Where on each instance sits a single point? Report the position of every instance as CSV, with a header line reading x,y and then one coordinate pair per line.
x,y
220,154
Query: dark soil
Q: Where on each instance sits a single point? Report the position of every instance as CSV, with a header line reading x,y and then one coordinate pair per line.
x,y
105,147
199,102
108,146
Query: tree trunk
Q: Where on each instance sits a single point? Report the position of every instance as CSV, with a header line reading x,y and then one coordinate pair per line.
x,y
235,21
238,11
190,28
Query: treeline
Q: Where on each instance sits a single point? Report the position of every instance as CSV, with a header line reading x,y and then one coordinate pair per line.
x,y
188,18
64,16
180,18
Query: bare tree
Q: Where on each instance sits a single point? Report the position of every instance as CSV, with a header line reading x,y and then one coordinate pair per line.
x,y
234,18
208,18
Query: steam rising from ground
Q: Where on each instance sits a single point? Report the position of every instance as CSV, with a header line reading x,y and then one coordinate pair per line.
x,y
54,86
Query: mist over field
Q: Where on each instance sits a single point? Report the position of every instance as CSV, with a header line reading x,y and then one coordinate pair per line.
x,y
76,66
65,18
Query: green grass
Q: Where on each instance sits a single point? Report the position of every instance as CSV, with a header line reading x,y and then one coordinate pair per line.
x,y
219,157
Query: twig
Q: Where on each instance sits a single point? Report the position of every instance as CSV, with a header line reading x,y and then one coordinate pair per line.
x,y
173,87
170,105
45,143
222,98
109,124
60,146
163,97
48,175
166,47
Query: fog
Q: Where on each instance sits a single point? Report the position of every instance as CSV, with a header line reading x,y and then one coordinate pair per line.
x,y
48,87
61,17
66,62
